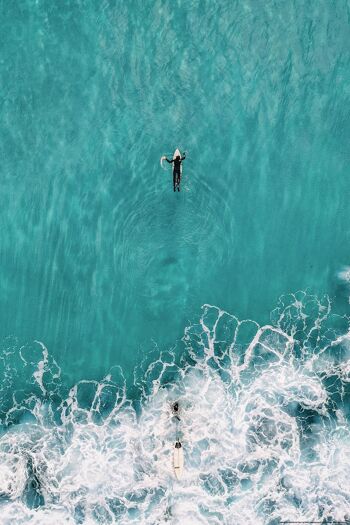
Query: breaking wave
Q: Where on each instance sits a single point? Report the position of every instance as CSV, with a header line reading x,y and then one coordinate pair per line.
x,y
264,425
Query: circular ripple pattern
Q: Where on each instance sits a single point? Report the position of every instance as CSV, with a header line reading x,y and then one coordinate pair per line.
x,y
97,250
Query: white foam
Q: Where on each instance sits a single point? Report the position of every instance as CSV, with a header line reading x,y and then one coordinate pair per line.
x,y
250,454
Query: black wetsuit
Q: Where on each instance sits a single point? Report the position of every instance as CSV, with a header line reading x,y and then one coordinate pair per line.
x,y
176,171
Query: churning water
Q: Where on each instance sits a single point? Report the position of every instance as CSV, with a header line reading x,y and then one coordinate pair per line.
x,y
119,297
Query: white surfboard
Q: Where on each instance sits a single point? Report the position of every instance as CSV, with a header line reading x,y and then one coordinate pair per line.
x,y
178,462
177,153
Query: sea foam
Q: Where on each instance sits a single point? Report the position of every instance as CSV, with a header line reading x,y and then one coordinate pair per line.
x,y
263,422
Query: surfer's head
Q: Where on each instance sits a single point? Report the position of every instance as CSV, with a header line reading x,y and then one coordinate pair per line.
x,y
178,157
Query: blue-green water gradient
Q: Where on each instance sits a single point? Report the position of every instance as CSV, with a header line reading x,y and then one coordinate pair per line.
x,y
100,260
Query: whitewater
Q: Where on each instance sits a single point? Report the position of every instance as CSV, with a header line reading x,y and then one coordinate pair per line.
x,y
264,426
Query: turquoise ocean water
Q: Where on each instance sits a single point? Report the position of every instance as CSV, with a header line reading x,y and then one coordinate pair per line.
x,y
119,296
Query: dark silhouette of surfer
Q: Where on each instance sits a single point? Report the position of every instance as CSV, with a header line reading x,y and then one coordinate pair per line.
x,y
176,170
176,408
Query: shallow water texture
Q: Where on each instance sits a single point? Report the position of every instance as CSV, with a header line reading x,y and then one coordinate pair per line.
x,y
98,256
104,269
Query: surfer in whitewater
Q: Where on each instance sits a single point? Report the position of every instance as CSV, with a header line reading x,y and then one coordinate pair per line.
x,y
176,170
176,408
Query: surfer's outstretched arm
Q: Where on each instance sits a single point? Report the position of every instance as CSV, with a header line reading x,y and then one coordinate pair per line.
x,y
183,158
170,161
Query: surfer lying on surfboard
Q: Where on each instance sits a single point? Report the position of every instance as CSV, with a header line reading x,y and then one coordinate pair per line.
x,y
176,170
